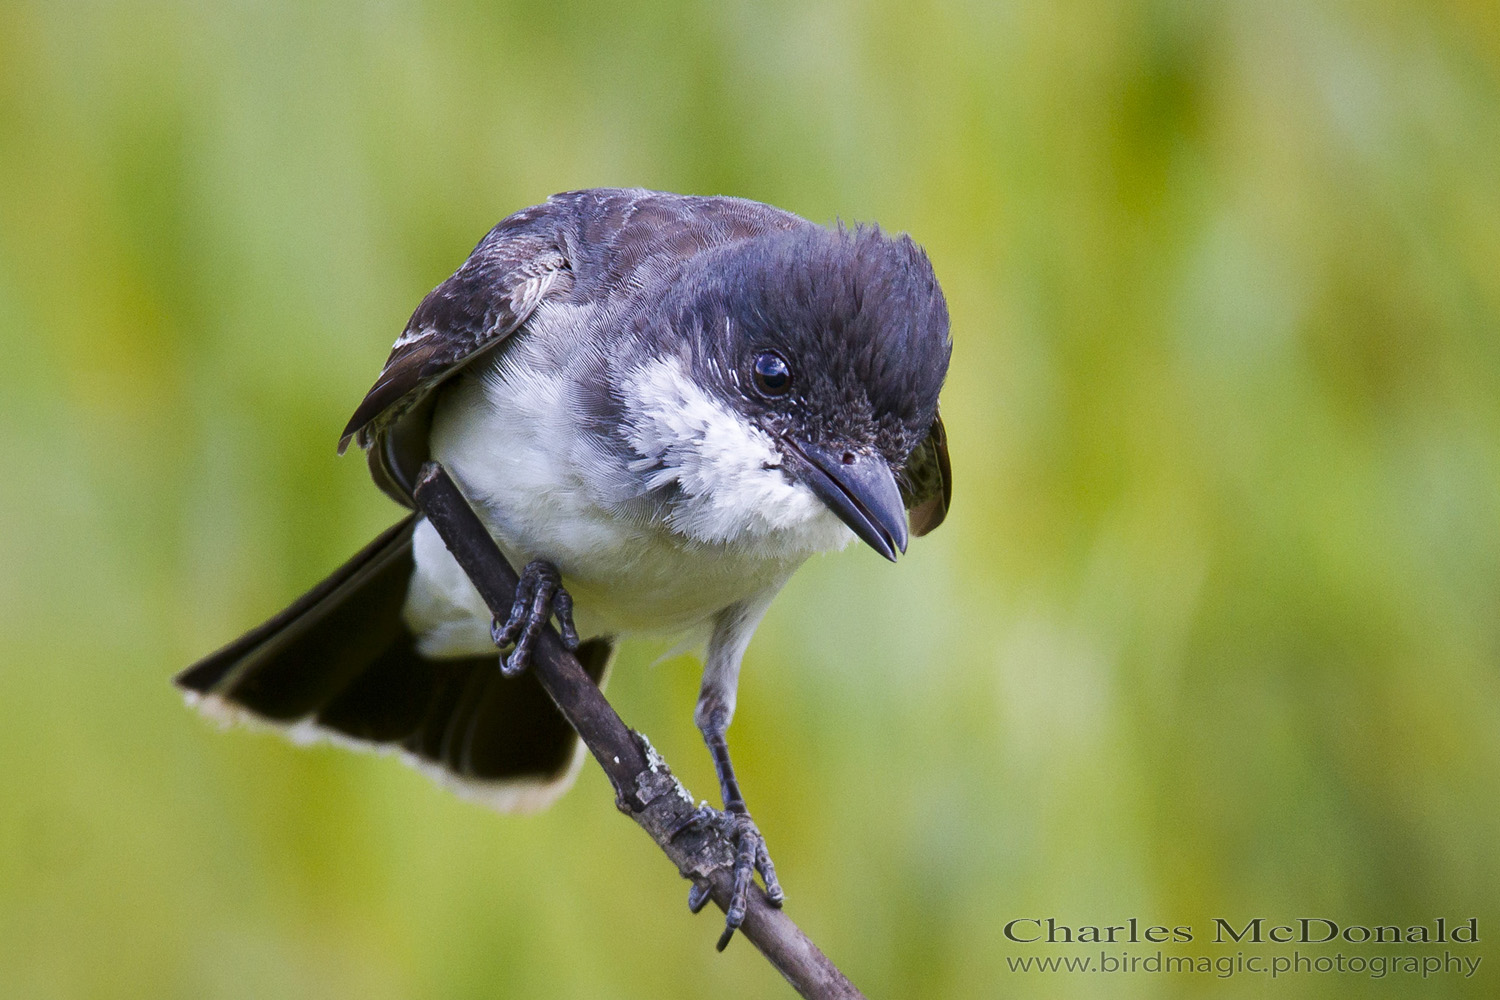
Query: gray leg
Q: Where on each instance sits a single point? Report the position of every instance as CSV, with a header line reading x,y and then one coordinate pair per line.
x,y
736,826
715,710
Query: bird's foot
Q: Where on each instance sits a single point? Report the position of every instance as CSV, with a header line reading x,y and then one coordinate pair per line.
x,y
750,856
539,596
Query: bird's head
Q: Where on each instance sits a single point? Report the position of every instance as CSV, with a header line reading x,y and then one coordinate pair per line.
x,y
823,352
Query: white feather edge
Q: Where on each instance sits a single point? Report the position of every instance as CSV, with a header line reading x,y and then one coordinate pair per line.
x,y
521,795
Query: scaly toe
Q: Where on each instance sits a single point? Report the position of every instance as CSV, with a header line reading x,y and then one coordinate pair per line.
x,y
750,857
539,595
698,896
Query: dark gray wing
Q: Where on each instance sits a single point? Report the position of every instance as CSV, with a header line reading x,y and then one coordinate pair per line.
x,y
584,246
927,481
519,263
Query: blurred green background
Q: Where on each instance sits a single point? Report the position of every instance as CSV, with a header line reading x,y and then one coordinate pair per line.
x,y
1211,631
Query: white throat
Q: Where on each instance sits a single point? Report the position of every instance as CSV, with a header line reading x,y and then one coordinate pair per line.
x,y
728,471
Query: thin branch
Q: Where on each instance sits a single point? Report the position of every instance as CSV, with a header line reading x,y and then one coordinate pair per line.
x,y
645,789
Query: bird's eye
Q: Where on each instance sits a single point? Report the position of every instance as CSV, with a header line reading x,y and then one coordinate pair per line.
x,y
772,376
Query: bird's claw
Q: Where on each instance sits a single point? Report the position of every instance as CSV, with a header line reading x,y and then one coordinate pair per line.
x,y
539,596
698,895
750,856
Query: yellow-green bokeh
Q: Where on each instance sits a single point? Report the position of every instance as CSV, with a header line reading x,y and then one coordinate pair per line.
x,y
1211,630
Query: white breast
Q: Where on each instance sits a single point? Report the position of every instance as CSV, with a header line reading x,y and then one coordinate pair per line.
x,y
514,436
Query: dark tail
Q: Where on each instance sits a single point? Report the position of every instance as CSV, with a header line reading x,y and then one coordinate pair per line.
x,y
341,663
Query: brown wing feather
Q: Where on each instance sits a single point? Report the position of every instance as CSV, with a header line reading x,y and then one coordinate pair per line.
x,y
517,265
927,481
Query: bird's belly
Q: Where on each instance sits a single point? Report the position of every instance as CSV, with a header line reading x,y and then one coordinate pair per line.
x,y
627,577
656,585
624,580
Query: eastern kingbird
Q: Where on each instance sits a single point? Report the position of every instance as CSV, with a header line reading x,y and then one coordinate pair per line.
x,y
661,405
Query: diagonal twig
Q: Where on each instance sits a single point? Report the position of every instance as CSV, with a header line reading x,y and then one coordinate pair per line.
x,y
645,789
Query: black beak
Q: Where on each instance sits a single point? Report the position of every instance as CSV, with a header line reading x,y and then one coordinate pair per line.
x,y
861,489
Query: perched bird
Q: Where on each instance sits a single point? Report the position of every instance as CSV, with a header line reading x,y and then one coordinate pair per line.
x,y
661,406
